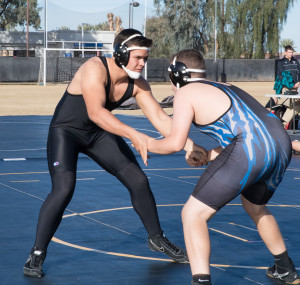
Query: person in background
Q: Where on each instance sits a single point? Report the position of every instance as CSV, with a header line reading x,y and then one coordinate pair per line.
x,y
287,81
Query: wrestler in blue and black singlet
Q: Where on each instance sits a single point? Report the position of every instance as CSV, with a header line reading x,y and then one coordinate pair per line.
x,y
257,151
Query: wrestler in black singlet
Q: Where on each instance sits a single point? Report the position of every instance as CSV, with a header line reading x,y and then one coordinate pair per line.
x,y
72,132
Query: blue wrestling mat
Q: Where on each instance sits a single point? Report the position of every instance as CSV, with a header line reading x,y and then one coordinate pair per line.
x,y
101,239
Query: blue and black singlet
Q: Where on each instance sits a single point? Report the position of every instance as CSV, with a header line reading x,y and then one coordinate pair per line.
x,y
257,151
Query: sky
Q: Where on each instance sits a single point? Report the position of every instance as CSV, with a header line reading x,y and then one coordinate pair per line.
x,y
72,13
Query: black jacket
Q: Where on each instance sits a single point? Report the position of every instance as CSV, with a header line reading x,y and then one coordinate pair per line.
x,y
289,65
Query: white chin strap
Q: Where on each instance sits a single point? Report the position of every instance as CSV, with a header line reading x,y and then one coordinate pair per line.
x,y
132,74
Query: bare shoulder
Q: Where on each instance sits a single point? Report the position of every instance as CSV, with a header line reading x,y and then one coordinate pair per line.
x,y
93,63
141,85
92,71
193,89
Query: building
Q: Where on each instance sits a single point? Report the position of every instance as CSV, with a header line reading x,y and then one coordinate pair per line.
x,y
61,43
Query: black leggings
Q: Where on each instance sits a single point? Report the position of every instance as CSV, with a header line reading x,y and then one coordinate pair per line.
x,y
113,154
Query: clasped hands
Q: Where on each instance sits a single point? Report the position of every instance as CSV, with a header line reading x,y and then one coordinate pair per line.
x,y
196,157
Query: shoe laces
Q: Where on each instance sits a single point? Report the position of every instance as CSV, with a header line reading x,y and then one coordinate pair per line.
x,y
37,260
171,245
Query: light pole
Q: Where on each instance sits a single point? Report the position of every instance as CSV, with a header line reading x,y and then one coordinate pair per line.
x,y
27,27
145,21
45,25
82,37
131,5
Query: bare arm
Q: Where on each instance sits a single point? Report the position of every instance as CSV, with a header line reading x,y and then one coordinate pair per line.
x,y
160,120
176,140
93,76
151,108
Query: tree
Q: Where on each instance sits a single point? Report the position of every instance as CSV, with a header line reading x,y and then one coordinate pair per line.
x,y
13,13
256,25
113,24
287,42
64,28
245,28
187,26
104,26
156,30
86,27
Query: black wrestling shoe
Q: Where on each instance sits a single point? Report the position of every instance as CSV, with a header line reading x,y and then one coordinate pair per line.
x,y
162,244
33,266
287,276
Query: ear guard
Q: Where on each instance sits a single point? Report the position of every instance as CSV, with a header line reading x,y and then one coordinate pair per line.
x,y
180,75
121,51
121,54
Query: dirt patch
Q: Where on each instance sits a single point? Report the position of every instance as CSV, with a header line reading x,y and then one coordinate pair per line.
x,y
29,99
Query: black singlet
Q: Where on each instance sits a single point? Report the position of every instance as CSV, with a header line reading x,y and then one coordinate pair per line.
x,y
72,132
71,110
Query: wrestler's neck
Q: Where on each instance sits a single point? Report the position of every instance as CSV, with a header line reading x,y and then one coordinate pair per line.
x,y
117,74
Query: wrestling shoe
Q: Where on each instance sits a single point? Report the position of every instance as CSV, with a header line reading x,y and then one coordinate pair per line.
x,y
286,275
162,244
33,265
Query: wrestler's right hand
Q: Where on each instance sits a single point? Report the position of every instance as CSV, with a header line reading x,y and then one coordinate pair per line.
x,y
196,158
139,142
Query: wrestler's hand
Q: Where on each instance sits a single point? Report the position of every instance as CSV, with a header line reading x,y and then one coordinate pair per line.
x,y
197,157
139,142
213,153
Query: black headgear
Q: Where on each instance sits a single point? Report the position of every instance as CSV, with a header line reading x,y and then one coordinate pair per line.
x,y
180,75
121,51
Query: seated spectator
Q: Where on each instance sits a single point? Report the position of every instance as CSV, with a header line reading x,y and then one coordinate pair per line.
x,y
287,82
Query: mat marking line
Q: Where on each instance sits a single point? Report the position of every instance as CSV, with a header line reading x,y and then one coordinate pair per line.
x,y
20,181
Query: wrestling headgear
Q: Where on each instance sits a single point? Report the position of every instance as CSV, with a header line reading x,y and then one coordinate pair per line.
x,y
180,75
122,51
